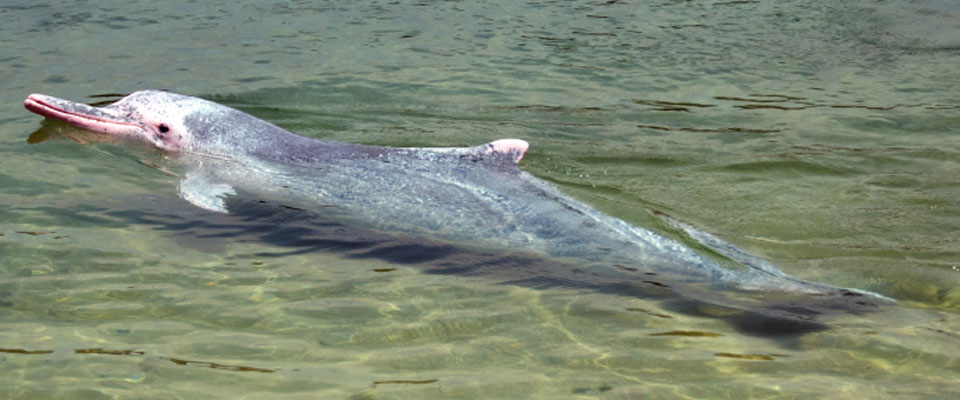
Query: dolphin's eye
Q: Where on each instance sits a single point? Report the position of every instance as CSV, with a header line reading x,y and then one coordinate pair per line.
x,y
164,128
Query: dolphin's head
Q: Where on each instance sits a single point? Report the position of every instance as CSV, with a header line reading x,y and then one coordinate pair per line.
x,y
168,121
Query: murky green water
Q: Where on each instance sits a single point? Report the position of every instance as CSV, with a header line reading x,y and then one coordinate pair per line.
x,y
820,135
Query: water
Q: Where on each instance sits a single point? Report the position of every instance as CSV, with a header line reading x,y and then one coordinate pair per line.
x,y
819,135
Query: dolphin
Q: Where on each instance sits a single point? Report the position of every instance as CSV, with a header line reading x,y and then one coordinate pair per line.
x,y
476,197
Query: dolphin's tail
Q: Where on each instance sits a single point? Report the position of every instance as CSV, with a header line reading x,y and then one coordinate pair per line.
x,y
763,269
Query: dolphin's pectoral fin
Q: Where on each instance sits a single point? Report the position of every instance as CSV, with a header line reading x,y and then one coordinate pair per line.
x,y
511,150
201,192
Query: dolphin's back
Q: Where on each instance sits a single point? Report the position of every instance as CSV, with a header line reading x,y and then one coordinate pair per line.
x,y
474,200
470,196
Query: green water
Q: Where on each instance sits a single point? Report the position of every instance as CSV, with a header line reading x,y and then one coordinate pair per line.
x,y
821,135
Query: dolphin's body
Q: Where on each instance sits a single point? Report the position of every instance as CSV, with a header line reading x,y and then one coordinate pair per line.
x,y
470,196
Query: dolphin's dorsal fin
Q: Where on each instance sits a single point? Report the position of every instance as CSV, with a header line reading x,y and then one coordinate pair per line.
x,y
514,149
508,149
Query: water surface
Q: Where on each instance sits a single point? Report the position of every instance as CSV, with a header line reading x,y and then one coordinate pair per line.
x,y
819,135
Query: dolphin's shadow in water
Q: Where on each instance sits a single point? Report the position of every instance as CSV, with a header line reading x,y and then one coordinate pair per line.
x,y
305,232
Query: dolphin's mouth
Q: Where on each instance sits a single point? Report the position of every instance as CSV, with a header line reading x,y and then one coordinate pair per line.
x,y
81,115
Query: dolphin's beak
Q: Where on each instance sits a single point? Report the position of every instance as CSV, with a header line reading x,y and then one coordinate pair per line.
x,y
96,119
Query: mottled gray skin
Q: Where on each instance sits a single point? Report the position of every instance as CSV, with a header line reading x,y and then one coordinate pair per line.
x,y
470,196
475,198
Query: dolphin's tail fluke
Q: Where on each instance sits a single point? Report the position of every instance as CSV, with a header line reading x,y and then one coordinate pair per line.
x,y
763,269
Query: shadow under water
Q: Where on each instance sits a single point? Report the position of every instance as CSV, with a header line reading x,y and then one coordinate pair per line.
x,y
784,317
